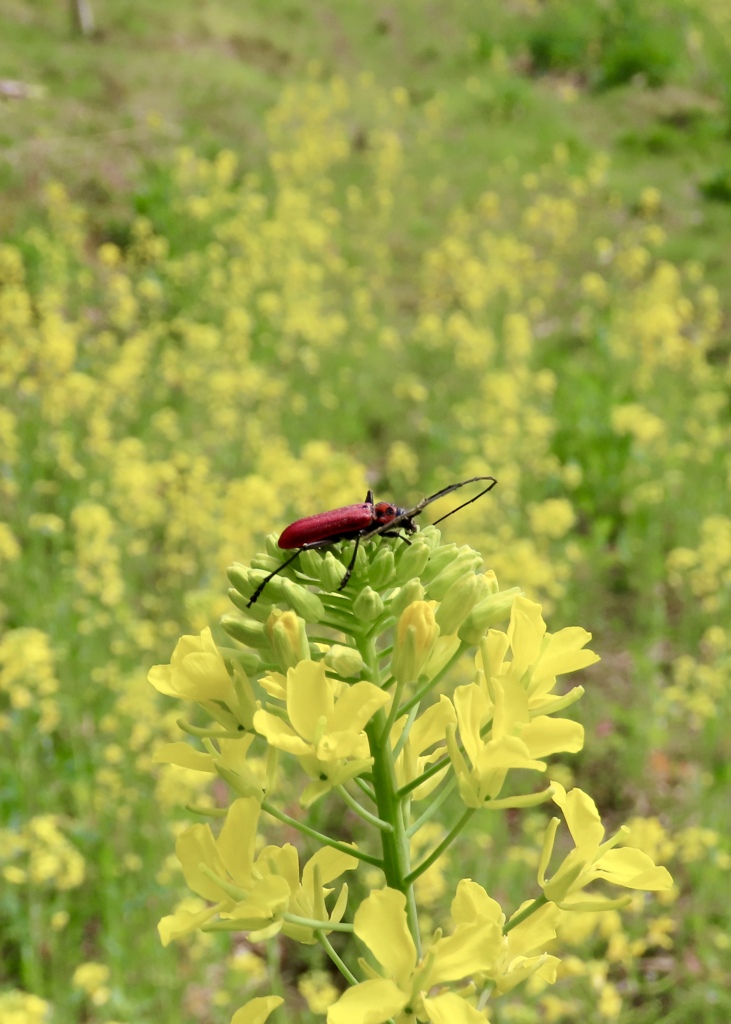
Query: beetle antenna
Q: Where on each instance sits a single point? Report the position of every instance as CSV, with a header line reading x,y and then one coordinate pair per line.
x,y
421,505
466,503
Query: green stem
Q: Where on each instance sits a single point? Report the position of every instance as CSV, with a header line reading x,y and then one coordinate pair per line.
x,y
363,785
395,844
372,819
439,850
401,742
434,681
341,966
306,830
317,925
426,774
432,807
541,901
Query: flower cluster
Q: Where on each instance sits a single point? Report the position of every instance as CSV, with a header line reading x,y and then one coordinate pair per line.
x,y
353,684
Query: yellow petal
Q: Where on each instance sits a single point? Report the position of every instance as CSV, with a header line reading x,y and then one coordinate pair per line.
x,y
194,847
279,734
237,838
449,1008
473,947
184,756
256,1010
472,712
331,864
544,735
581,816
563,653
371,1002
309,698
380,922
356,707
182,922
471,903
633,869
526,632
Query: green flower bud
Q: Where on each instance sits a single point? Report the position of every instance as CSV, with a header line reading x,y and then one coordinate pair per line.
x,y
458,602
274,588
268,562
416,634
490,579
368,605
413,560
465,563
238,575
344,661
439,559
271,545
246,631
249,661
381,568
260,610
331,572
310,562
487,613
304,602
410,592
287,635
432,536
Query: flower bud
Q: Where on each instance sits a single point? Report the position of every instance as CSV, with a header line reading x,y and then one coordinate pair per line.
x,y
344,661
490,579
287,635
304,602
432,536
271,545
273,589
238,575
381,568
439,559
413,561
368,605
465,562
245,630
410,592
416,634
487,613
249,661
310,562
267,562
331,572
458,602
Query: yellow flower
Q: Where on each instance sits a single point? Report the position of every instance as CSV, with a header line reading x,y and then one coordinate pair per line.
x,y
591,858
325,734
416,634
381,923
252,893
197,672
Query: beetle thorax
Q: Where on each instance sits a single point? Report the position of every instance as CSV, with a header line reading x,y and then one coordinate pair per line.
x,y
385,513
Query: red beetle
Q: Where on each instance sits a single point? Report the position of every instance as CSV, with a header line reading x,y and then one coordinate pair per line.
x,y
360,522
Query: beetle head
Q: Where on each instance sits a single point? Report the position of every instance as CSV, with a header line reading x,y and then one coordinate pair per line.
x,y
385,513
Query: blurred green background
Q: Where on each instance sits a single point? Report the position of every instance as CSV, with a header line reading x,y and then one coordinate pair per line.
x,y
258,257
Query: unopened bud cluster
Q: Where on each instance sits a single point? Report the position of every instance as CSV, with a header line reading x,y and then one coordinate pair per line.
x,y
423,590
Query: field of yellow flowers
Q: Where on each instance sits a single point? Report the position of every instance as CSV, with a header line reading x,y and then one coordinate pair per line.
x,y
365,294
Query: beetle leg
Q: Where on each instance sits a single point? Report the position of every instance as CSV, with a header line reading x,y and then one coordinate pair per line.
x,y
351,566
399,536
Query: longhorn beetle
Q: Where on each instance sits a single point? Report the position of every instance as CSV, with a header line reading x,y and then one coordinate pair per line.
x,y
360,522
